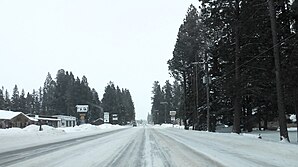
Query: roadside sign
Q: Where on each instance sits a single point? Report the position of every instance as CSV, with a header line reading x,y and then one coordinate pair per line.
x,y
115,117
172,113
82,108
106,117
173,118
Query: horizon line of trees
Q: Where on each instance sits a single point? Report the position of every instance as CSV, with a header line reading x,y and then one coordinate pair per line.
x,y
165,99
249,49
60,96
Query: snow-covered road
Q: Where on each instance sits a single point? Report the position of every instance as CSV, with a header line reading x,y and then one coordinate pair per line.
x,y
141,146
19,155
154,146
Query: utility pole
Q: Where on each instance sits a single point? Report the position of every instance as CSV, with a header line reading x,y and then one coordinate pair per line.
x,y
185,96
184,101
207,92
197,95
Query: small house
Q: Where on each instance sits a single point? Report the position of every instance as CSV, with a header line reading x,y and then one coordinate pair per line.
x,y
9,119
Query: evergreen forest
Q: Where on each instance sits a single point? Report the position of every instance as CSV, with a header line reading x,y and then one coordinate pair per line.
x,y
60,96
235,63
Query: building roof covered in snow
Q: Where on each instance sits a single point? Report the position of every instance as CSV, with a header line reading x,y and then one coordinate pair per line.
x,y
8,115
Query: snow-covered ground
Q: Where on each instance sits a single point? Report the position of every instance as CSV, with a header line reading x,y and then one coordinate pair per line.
x,y
145,145
238,150
17,138
274,135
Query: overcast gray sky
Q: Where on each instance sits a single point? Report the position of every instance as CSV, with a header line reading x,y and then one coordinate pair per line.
x,y
127,42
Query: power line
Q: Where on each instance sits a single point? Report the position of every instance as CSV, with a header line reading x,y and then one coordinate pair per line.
x,y
259,55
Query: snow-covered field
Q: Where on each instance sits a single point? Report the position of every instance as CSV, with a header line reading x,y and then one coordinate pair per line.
x,y
147,145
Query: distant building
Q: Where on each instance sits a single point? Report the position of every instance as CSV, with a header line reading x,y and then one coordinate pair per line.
x,y
55,120
66,121
9,119
45,120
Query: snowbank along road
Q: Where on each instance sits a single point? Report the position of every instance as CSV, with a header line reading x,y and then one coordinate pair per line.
x,y
152,147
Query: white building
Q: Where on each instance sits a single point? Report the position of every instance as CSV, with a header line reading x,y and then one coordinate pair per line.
x,y
66,121
55,120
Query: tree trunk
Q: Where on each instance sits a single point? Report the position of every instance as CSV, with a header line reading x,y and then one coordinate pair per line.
x,y
296,108
296,111
259,120
249,115
237,100
266,121
280,103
